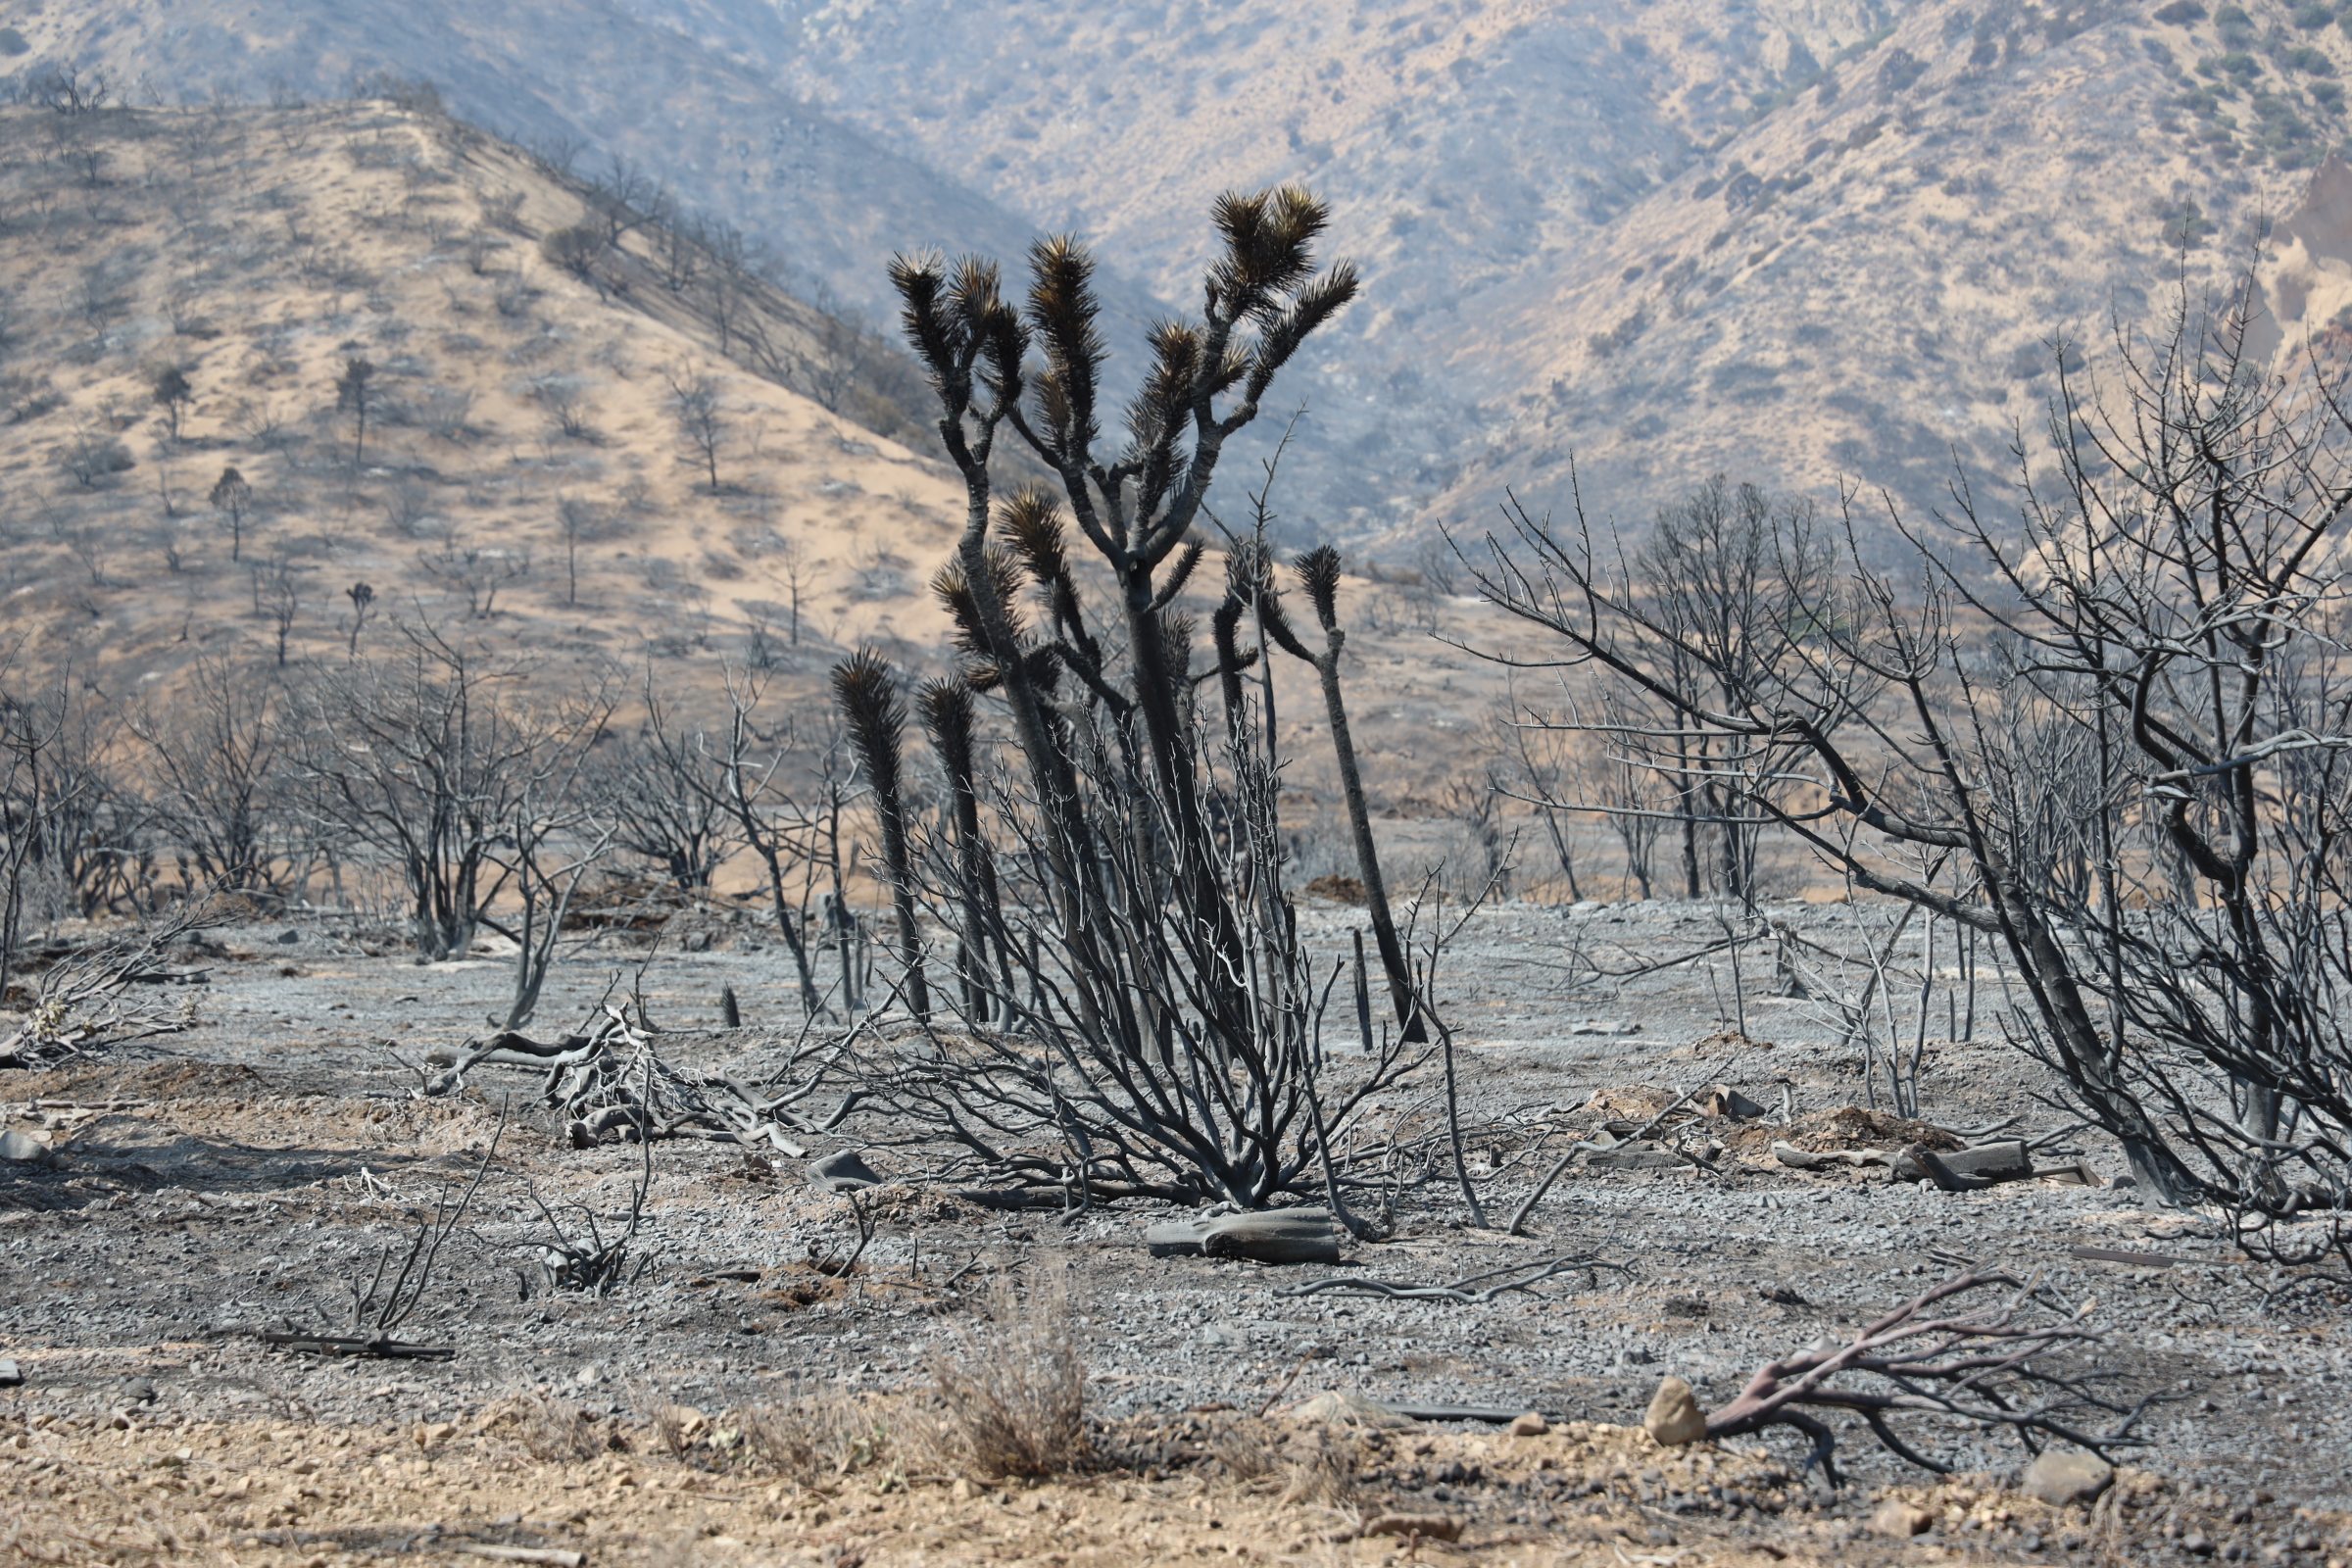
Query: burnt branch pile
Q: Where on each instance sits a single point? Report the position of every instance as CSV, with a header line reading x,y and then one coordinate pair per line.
x,y
112,991
610,1080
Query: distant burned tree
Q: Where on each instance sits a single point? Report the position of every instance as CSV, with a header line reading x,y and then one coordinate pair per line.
x,y
38,789
2155,643
418,95
172,394
363,600
93,455
69,89
214,756
232,496
576,520
354,395
1727,574
575,250
656,785
685,796
679,250
703,422
557,831
727,282
429,759
281,601
75,822
475,572
564,398
623,198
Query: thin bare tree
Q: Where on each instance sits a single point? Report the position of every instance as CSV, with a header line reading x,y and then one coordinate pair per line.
x,y
426,757
2114,711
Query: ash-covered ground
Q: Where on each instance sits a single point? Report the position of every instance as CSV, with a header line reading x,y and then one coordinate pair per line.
x,y
236,1178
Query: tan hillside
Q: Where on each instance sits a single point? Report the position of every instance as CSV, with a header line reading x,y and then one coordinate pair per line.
x,y
256,252
585,77
259,251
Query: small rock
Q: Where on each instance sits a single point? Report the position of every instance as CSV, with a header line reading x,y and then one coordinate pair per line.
x,y
287,939
10,1376
1530,1425
844,1172
1427,1526
1722,1099
1613,1026
2059,1479
1674,1417
23,1149
2197,1544
1902,1521
139,1390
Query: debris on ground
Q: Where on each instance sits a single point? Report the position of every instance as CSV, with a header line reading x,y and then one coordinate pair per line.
x,y
1268,1236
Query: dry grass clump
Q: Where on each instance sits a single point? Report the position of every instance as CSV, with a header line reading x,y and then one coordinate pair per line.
x,y
824,1437
809,1439
680,1429
1311,1465
1013,1386
555,1429
1246,1449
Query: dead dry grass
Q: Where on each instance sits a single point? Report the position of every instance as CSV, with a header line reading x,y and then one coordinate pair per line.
x,y
1013,1383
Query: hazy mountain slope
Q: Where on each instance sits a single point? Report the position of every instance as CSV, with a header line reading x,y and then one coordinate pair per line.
x,y
1806,243
824,196
1862,289
1462,141
1812,243
1473,153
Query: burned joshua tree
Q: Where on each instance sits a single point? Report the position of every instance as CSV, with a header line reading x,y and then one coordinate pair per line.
x,y
1131,986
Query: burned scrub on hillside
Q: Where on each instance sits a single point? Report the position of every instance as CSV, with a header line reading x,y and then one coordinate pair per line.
x,y
2109,736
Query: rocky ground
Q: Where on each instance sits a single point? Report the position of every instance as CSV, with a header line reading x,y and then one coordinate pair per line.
x,y
232,1180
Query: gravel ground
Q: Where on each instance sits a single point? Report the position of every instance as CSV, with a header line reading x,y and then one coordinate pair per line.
x,y
233,1178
